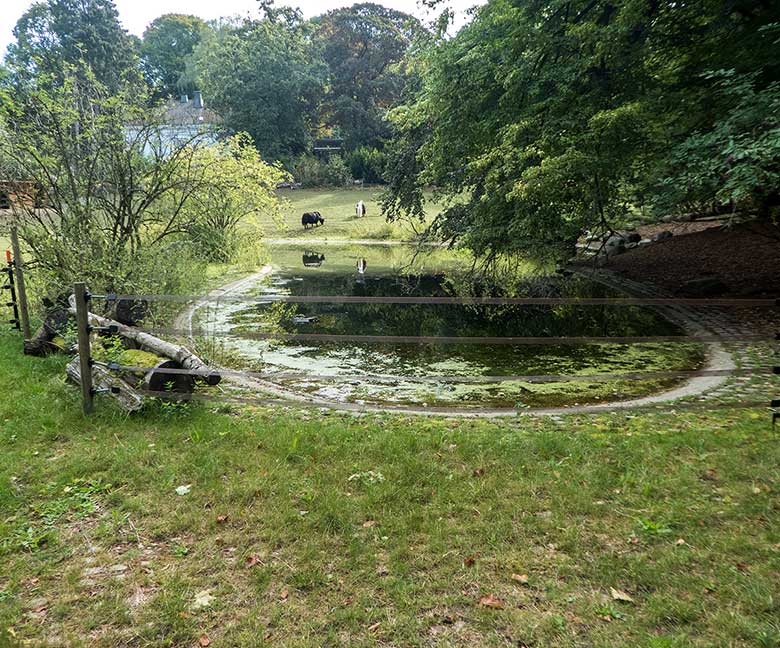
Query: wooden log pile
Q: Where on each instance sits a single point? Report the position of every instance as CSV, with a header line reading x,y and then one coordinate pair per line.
x,y
147,355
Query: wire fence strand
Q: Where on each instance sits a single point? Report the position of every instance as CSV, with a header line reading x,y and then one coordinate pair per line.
x,y
460,301
455,339
540,378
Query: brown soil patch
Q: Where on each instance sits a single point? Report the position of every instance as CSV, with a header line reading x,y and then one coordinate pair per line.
x,y
746,258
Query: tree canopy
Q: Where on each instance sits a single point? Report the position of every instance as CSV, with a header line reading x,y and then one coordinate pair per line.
x,y
363,46
541,118
262,77
57,33
167,44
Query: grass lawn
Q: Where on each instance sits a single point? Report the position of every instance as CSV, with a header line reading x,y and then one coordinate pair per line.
x,y
296,528
337,206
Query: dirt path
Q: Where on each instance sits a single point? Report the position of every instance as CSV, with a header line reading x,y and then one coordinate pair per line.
x,y
183,321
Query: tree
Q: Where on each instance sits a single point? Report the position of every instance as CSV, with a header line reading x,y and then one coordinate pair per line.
x,y
168,42
261,77
240,187
363,46
56,33
121,204
542,118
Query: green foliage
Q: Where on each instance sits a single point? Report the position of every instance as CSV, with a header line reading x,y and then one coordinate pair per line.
x,y
544,118
367,164
234,186
363,46
168,42
127,211
737,162
312,171
261,77
56,33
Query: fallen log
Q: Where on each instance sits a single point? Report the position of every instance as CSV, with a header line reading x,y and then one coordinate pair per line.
x,y
148,342
48,339
127,397
147,374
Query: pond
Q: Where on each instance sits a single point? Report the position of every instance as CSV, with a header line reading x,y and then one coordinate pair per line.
x,y
347,371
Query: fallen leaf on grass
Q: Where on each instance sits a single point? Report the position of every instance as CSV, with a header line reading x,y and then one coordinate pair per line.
x,y
284,594
469,561
204,640
202,599
369,523
492,602
373,627
222,519
680,542
620,595
478,472
520,578
252,560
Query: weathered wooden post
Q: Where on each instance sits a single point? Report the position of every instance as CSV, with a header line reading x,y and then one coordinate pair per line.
x,y
21,291
85,358
12,289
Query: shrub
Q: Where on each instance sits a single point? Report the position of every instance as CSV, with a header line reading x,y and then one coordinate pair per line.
x,y
367,164
310,171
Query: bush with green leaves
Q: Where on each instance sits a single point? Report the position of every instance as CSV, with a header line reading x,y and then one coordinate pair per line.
x,y
311,171
128,211
367,164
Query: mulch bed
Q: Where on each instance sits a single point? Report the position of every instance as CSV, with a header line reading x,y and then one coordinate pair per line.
x,y
746,258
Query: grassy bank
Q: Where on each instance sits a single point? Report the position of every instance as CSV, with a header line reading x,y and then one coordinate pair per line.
x,y
297,528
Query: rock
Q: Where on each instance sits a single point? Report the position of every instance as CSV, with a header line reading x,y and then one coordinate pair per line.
x,y
667,219
633,237
661,236
615,244
644,243
704,287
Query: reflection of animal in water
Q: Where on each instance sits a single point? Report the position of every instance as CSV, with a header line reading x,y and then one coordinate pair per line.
x,y
312,259
360,209
361,266
312,218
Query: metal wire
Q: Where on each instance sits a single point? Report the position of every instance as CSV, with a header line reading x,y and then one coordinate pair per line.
x,y
542,378
464,301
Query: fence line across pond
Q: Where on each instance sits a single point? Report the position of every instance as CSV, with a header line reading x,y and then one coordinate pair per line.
x,y
454,339
458,301
82,299
531,378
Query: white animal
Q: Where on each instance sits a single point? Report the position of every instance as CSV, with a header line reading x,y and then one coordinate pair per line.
x,y
360,209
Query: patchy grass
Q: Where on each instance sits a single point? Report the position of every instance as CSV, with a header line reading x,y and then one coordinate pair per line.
x,y
304,529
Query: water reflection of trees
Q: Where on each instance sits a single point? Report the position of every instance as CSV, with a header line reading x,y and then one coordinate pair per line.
x,y
458,320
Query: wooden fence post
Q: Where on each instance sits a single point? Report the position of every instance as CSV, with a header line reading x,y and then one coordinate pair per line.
x,y
21,291
11,288
85,358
